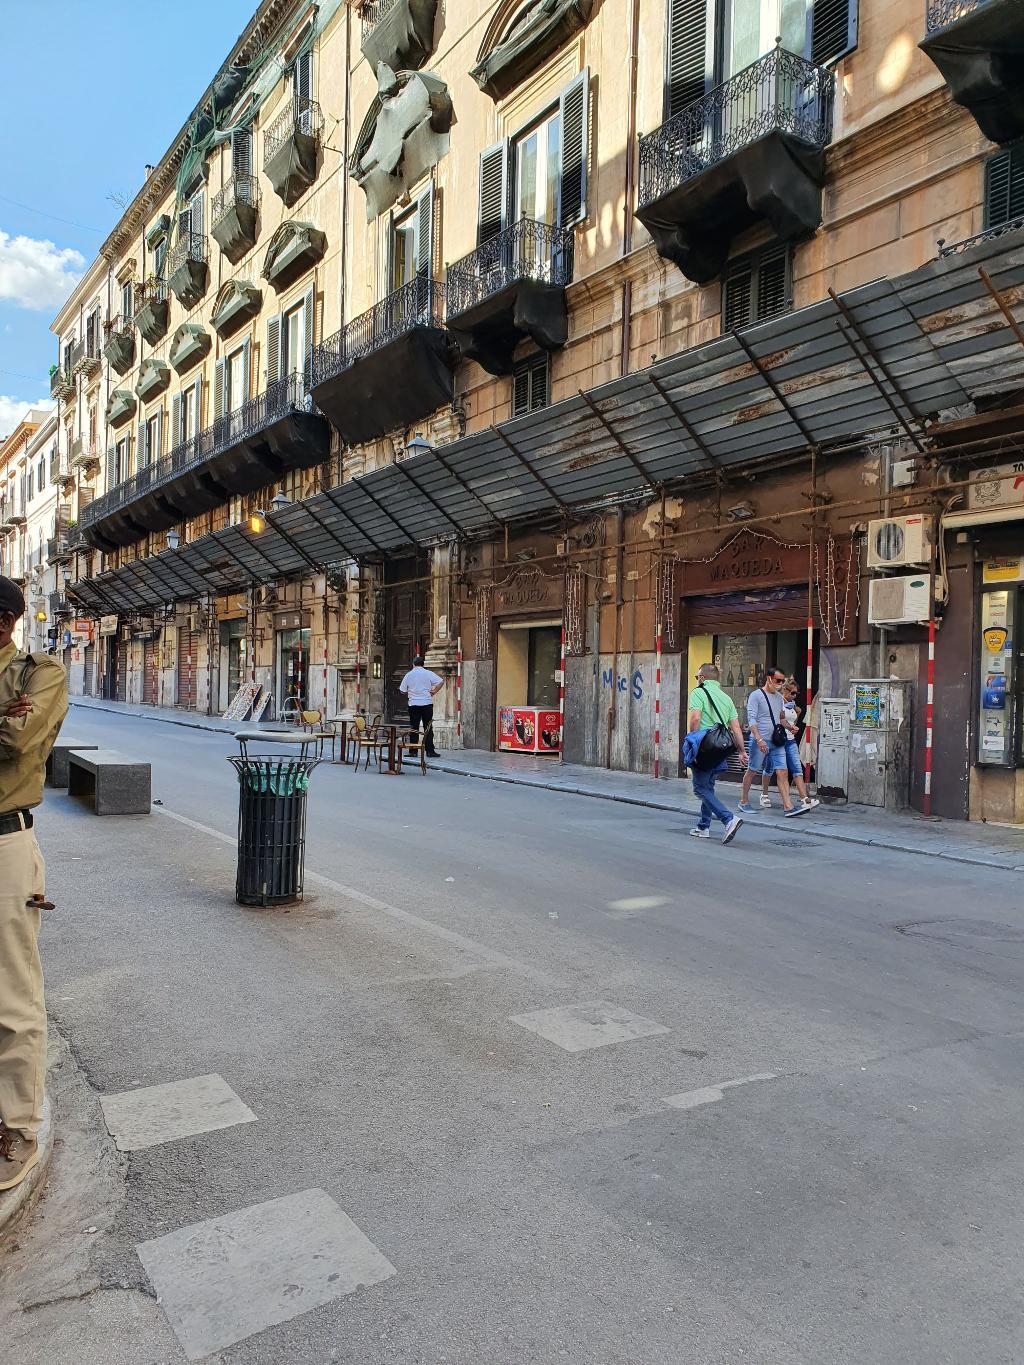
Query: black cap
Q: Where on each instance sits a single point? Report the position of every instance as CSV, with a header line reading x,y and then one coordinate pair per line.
x,y
12,599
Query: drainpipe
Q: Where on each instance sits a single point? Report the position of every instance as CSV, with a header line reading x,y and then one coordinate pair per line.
x,y
343,264
630,185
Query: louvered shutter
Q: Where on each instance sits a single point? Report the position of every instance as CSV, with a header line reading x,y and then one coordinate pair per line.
x,y
530,385
176,421
198,212
159,436
184,223
772,283
574,144
141,459
493,198
520,392
302,88
1004,186
241,151
309,333
198,401
833,29
738,290
425,233
220,390
273,349
247,370
686,68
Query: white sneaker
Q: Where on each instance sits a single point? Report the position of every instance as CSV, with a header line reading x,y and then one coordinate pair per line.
x,y
731,828
699,833
810,802
766,803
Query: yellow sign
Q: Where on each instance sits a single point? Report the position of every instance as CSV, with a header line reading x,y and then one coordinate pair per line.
x,y
1005,569
995,638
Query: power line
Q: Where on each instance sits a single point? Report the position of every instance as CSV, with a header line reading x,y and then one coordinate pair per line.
x,y
41,213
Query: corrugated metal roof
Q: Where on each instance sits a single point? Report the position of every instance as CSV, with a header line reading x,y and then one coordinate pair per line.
x,y
938,335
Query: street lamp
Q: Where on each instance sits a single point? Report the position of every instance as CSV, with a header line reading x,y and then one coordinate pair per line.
x,y
279,502
173,540
418,445
40,615
257,522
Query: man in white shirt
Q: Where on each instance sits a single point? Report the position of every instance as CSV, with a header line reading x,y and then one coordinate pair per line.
x,y
420,686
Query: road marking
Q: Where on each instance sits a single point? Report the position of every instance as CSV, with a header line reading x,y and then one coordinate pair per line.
x,y
711,1094
595,1023
468,945
155,1114
638,903
228,1278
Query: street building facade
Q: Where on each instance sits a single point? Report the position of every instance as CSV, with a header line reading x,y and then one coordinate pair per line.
x,y
572,347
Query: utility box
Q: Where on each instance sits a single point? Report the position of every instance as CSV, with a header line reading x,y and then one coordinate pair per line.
x,y
832,769
880,742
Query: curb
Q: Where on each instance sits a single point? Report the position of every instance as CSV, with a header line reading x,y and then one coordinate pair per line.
x,y
862,840
13,1203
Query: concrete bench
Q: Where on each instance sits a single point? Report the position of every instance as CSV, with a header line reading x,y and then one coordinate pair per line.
x,y
57,763
115,783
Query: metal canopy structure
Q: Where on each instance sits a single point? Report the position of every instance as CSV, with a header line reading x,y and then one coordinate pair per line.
x,y
886,356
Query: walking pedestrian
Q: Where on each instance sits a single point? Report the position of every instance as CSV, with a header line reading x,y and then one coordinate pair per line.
x,y
420,686
791,720
766,751
33,702
709,707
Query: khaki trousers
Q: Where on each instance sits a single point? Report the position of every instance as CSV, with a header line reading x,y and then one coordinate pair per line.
x,y
22,1011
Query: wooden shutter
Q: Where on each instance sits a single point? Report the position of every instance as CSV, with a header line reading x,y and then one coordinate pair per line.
x,y
425,233
241,151
738,293
530,384
273,348
492,208
176,421
198,400
772,283
159,433
686,66
141,459
1004,186
833,29
309,333
574,144
220,389
302,82
247,370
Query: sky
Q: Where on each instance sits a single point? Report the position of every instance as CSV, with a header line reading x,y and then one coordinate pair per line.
x,y
92,90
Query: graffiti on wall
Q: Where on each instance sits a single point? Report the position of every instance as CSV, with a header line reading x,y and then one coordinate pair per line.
x,y
632,686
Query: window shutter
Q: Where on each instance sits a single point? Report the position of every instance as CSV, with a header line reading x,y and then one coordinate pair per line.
x,y
686,68
220,390
738,289
184,223
387,257
574,140
241,151
520,392
273,348
140,446
833,29
772,283
493,200
176,421
425,233
1004,186
159,435
246,370
126,304
530,384
198,387
198,212
302,82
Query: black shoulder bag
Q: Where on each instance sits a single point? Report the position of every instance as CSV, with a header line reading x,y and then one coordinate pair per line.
x,y
779,732
717,744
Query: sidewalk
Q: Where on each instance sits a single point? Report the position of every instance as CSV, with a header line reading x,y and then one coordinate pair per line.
x,y
958,841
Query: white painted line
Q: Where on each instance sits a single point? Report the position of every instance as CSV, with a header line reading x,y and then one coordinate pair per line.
x,y
468,945
595,1023
711,1094
230,1277
154,1114
638,903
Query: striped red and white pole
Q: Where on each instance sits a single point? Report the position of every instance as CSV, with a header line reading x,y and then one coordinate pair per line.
x,y
657,702
359,686
926,805
808,690
325,676
561,697
458,688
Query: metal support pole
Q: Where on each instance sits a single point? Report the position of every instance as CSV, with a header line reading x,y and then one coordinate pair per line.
x,y
1002,305
657,700
527,465
926,804
651,483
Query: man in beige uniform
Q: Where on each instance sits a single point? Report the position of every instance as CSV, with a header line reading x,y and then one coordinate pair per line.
x,y
33,702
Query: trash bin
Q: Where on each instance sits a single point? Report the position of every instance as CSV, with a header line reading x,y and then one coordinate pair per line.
x,y
271,828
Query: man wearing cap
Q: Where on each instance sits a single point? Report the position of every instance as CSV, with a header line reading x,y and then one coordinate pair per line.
x,y
33,702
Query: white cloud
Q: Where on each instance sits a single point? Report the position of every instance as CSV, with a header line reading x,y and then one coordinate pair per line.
x,y
35,273
12,410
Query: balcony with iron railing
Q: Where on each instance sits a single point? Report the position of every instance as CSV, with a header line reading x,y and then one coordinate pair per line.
x,y
233,216
389,367
978,46
511,287
399,33
152,310
752,149
59,604
255,445
85,358
82,454
291,149
119,343
187,268
62,384
58,549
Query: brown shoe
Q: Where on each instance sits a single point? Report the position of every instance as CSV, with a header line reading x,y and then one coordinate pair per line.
x,y
17,1157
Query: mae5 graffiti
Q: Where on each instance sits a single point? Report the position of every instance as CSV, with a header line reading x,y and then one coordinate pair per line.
x,y
634,686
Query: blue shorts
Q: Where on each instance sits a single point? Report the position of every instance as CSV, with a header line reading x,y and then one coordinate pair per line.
x,y
796,768
773,761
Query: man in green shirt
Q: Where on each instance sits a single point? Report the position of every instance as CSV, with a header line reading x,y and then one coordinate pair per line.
x,y
710,706
33,702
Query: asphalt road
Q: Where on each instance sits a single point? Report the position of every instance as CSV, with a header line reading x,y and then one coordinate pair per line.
x,y
858,1198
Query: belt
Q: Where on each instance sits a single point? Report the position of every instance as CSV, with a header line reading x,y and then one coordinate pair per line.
x,y
15,821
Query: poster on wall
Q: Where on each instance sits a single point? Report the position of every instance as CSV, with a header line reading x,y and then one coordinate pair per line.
x,y
867,706
996,682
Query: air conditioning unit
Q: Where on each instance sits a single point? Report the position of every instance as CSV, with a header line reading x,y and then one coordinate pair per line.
x,y
899,542
900,601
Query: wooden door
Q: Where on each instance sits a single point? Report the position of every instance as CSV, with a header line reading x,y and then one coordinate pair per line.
x,y
149,672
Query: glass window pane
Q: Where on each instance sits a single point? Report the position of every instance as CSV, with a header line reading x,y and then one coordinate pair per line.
x,y
744,35
526,177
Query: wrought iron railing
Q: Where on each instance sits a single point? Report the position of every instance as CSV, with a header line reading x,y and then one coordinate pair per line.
x,y
301,116
61,383
954,248
154,291
780,92
420,303
57,547
527,250
190,246
942,13
276,401
59,604
373,11
240,189
74,537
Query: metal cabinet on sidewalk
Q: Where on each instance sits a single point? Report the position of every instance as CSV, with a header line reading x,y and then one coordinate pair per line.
x,y
880,742
833,766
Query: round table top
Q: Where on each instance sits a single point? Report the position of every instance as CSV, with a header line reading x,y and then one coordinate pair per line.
x,y
276,736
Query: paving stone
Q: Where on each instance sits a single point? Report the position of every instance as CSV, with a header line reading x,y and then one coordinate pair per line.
x,y
163,1113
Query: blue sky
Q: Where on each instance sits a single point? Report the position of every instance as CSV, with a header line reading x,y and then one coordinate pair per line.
x,y
92,90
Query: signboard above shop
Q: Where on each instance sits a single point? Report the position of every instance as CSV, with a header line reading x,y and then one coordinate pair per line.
x,y
996,487
108,625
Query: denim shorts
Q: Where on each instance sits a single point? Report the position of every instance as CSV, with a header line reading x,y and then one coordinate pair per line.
x,y
796,768
775,760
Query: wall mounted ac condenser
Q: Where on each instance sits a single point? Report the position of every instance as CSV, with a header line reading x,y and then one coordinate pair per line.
x,y
906,600
899,542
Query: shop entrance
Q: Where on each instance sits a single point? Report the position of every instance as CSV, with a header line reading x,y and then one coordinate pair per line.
x,y
292,670
407,625
108,680
527,685
234,648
